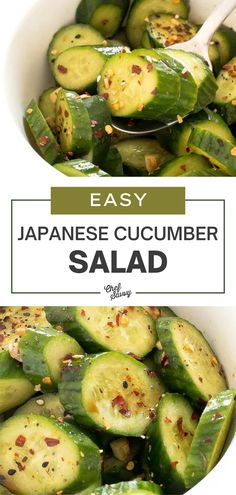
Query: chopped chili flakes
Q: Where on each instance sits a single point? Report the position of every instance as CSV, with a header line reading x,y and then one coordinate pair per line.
x,y
105,96
125,412
83,313
164,360
118,401
149,67
151,373
195,416
118,317
174,464
152,414
99,134
62,69
167,420
20,466
1,339
136,69
179,424
20,441
154,92
216,416
51,442
43,140
105,21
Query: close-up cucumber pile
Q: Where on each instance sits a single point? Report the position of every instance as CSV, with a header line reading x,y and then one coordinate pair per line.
x,y
108,401
116,61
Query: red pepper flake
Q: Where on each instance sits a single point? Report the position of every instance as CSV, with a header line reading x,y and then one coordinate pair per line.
x,y
43,140
179,424
152,415
167,420
149,67
20,441
25,459
131,354
105,96
20,466
83,312
31,451
200,379
174,464
208,440
165,360
131,123
125,412
104,22
1,339
140,404
118,401
99,134
151,373
110,324
136,393
216,416
62,69
51,442
2,326
195,416
66,113
136,69
154,92
118,317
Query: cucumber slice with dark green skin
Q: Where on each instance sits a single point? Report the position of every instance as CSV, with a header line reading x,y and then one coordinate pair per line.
x,y
206,119
43,352
13,322
159,311
70,36
78,68
102,129
211,172
15,388
169,441
225,99
225,39
201,74
103,328
45,140
141,9
106,16
185,86
115,470
73,123
209,437
186,362
214,55
112,164
135,87
43,405
219,151
80,168
66,458
142,156
134,487
111,391
47,105
184,164
164,30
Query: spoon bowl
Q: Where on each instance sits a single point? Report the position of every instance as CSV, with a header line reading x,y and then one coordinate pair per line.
x,y
198,45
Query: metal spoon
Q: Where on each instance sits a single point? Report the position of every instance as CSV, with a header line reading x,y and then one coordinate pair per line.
x,y
199,45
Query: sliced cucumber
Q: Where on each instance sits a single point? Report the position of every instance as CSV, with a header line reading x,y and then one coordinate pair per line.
x,y
142,9
73,123
113,163
111,391
134,487
186,362
45,141
70,36
62,457
80,168
201,74
43,405
15,388
219,151
135,87
209,437
78,68
106,16
206,119
210,172
142,156
214,55
164,30
225,39
225,99
185,86
102,129
169,440
122,329
47,105
159,311
115,470
184,164
13,322
43,352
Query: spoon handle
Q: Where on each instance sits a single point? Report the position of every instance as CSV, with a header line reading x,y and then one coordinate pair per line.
x,y
215,19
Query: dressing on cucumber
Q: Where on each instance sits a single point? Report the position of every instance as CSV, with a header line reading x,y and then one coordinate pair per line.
x,y
13,322
38,346
66,458
112,392
218,150
117,328
169,441
186,362
209,437
163,30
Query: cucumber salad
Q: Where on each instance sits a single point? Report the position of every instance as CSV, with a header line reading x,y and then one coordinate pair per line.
x,y
116,60
108,401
